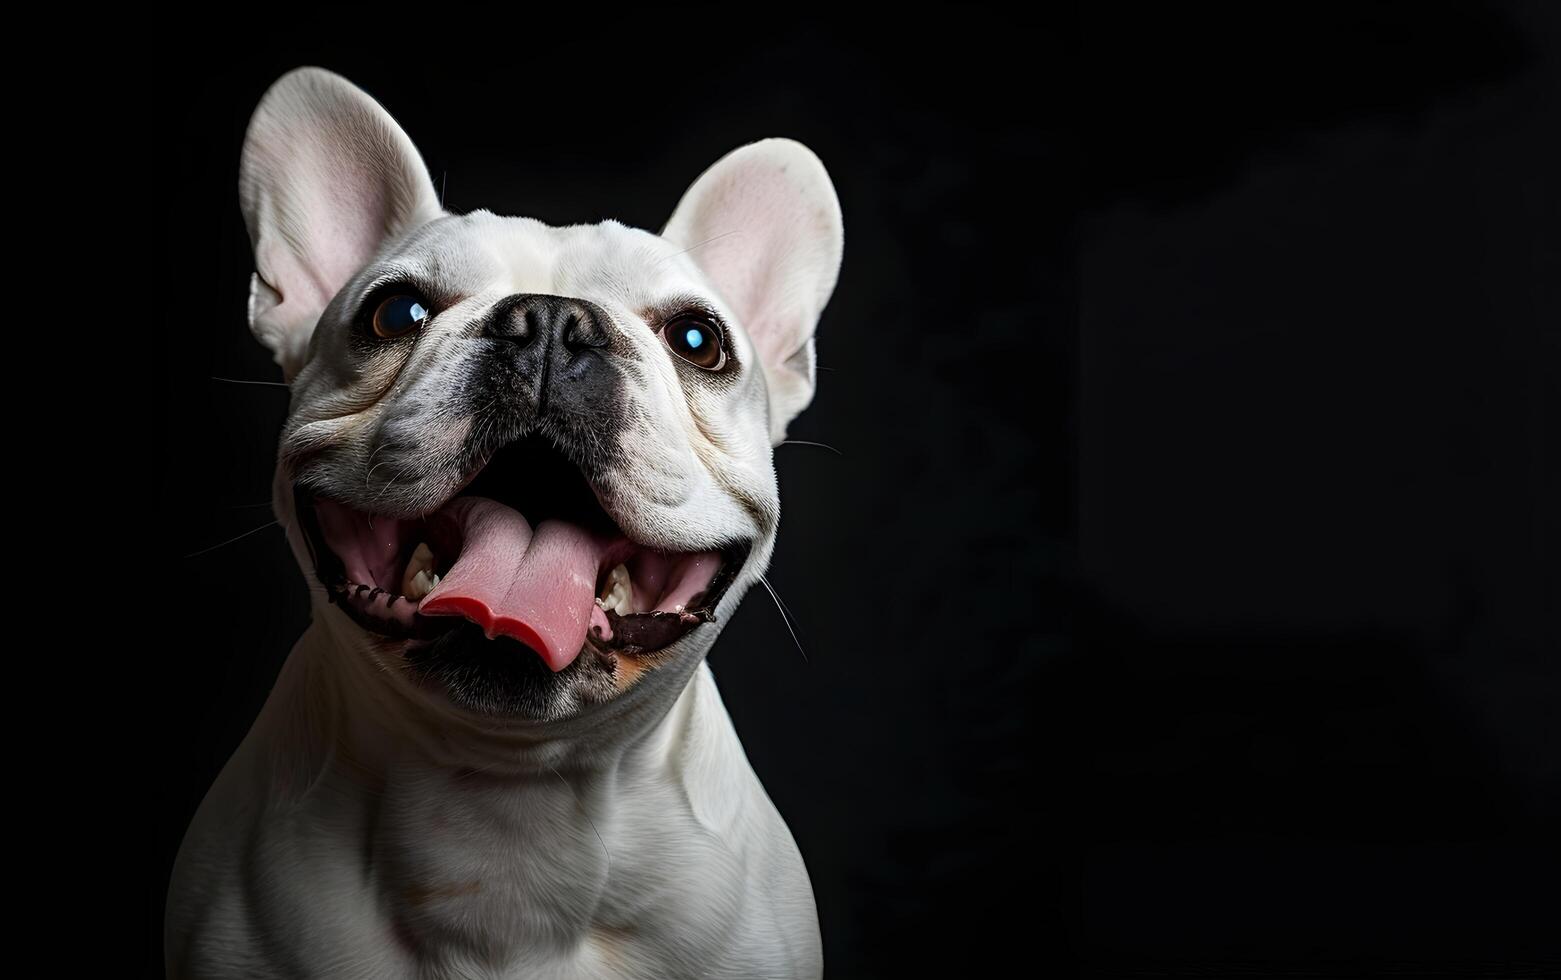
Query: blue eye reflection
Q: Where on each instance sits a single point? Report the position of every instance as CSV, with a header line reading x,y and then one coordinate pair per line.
x,y
696,340
400,314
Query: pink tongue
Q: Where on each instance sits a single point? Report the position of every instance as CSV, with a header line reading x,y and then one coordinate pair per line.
x,y
538,588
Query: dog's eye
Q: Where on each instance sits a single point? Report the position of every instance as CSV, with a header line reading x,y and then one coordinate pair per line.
x,y
399,315
696,340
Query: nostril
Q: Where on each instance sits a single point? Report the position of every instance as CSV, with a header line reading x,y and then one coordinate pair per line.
x,y
515,321
532,324
583,332
571,324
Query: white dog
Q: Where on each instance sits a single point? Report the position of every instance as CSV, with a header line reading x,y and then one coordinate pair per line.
x,y
527,471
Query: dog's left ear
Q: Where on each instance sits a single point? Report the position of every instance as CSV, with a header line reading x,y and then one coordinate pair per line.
x,y
764,226
326,179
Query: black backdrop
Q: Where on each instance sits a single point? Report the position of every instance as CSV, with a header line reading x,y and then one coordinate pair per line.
x,y
1182,595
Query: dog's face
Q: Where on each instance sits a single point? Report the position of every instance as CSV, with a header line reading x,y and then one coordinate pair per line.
x,y
526,464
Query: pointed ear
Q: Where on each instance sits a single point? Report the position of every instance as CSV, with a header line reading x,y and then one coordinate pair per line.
x,y
764,226
327,177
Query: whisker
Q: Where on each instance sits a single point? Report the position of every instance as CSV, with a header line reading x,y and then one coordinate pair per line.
x,y
781,601
785,615
724,234
804,442
390,483
369,476
240,537
581,804
241,381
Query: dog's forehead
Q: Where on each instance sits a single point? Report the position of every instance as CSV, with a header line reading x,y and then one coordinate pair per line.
x,y
486,253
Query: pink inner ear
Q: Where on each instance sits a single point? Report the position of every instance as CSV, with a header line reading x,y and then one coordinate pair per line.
x,y
770,221
372,202
332,228
326,179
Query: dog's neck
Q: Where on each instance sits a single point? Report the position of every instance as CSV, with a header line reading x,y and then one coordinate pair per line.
x,y
434,795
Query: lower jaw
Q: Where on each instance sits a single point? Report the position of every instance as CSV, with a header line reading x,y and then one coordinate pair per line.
x,y
502,680
639,638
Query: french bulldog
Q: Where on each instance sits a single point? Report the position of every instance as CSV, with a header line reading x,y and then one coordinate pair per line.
x,y
527,472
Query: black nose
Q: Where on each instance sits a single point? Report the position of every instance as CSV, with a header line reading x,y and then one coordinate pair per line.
x,y
553,355
560,323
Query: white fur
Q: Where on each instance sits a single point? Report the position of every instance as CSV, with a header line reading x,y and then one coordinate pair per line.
x,y
648,851
368,828
352,180
764,225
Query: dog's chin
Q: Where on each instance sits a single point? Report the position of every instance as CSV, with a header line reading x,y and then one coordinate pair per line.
x,y
518,596
502,678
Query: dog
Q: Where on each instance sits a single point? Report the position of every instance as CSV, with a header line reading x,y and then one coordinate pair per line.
x,y
527,471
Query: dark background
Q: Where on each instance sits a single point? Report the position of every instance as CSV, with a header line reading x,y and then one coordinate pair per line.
x,y
1183,594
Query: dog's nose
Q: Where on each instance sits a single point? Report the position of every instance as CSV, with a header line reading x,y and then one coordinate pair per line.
x,y
555,347
565,326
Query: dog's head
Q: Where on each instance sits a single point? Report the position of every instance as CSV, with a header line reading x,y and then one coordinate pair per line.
x,y
526,464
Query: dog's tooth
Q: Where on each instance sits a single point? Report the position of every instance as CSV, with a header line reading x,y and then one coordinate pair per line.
x,y
610,582
618,591
421,562
422,583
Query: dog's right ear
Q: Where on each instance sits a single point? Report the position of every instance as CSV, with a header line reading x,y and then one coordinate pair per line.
x,y
327,178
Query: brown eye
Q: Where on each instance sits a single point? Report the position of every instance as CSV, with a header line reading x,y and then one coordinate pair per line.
x,y
399,315
696,340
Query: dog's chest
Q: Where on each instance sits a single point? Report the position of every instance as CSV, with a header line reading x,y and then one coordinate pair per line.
x,y
488,862
671,864
480,876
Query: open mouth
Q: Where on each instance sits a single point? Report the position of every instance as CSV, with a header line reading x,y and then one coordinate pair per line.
x,y
524,551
